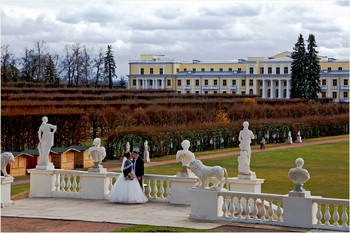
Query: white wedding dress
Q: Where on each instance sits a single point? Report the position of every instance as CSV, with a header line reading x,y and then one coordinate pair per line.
x,y
127,191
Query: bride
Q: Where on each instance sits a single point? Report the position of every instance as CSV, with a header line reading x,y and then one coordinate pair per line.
x,y
127,188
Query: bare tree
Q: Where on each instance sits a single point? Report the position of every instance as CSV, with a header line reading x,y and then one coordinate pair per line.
x,y
98,65
9,71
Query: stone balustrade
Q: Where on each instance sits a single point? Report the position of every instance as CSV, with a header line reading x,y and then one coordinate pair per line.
x,y
158,188
327,220
67,183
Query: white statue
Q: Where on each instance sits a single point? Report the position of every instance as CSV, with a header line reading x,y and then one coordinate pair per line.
x,y
6,158
185,156
46,132
204,173
97,153
299,175
127,147
299,138
146,153
245,137
290,139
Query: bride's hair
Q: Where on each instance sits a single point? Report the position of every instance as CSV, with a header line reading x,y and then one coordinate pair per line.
x,y
127,155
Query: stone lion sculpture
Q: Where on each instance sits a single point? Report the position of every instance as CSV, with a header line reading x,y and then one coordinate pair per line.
x,y
6,158
204,173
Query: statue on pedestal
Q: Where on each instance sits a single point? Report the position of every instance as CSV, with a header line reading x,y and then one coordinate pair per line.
x,y
299,175
290,139
46,133
127,147
245,137
299,138
146,153
97,153
186,157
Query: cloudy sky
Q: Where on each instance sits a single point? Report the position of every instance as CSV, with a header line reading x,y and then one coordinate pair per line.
x,y
184,30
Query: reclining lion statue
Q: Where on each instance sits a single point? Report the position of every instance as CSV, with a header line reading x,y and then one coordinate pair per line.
x,y
204,173
6,158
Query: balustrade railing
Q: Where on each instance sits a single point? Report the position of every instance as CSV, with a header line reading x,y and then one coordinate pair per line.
x,y
67,183
332,214
253,208
157,188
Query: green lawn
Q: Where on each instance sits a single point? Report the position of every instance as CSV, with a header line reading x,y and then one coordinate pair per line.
x,y
328,165
18,188
147,228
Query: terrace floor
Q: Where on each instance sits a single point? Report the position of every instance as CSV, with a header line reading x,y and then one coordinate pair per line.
x,y
77,215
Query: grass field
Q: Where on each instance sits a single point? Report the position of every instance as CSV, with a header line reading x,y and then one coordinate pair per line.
x,y
18,188
328,165
148,228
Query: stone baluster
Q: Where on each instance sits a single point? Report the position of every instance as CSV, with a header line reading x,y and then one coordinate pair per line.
x,y
110,185
279,211
344,216
79,184
247,208
63,183
168,190
262,210
161,189
239,208
327,215
255,209
232,207
75,184
319,214
148,188
69,183
336,215
270,211
57,183
155,188
224,207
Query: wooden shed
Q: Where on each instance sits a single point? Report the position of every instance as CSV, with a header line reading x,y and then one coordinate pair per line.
x,y
81,157
33,158
19,166
63,158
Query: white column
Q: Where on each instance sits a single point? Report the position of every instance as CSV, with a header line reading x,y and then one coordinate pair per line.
x,y
265,69
137,84
288,87
254,86
154,83
255,69
263,89
280,89
329,87
246,86
272,92
273,68
238,85
289,69
163,83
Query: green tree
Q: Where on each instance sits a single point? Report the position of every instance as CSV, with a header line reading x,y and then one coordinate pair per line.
x,y
110,66
298,66
50,72
122,83
313,69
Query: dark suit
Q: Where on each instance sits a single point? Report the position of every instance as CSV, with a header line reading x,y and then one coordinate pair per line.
x,y
139,169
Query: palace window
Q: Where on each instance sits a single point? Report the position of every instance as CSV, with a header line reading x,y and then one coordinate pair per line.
x,y
346,82
324,82
224,92
251,70
269,70
329,69
203,69
251,83
142,71
284,83
211,69
197,92
197,82
150,82
188,92
323,94
160,70
221,69
151,70
260,83
276,83
335,82
206,92
185,69
243,82
335,94
215,92
224,82
229,69
179,82
233,82
233,92
286,70
239,70
159,83
262,70
251,92
177,70
134,82
243,93
340,68
269,83
278,70
345,94
188,82
206,82
179,92
215,82
194,69
168,82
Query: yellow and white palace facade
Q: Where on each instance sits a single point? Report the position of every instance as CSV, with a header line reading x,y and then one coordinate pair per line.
x,y
268,77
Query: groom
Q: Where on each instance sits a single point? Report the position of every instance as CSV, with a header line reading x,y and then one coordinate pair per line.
x,y
138,168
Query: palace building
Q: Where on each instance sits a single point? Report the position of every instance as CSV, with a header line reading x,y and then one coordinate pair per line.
x,y
268,77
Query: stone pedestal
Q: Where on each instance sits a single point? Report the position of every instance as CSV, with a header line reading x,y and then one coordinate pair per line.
x,y
244,184
94,185
49,166
299,140
97,170
42,183
180,189
146,157
205,204
6,191
289,140
299,194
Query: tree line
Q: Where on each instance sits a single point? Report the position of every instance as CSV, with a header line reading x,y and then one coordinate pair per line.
x,y
79,65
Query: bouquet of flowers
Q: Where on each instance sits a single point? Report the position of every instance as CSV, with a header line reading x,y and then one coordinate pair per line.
x,y
129,176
